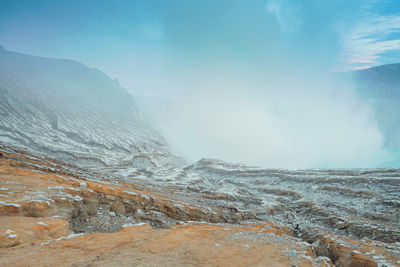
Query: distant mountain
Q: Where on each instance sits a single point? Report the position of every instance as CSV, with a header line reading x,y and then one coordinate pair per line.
x,y
63,109
379,82
380,86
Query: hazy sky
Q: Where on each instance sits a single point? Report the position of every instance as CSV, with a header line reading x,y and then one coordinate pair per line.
x,y
149,45
249,79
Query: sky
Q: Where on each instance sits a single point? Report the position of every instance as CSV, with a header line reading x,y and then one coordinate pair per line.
x,y
246,80
135,41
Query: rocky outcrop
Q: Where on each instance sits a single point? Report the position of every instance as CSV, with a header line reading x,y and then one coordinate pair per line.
x,y
24,231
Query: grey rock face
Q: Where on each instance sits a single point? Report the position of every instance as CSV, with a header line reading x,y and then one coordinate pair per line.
x,y
381,87
65,110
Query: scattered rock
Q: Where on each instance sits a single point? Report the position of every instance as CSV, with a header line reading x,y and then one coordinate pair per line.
x,y
9,239
118,207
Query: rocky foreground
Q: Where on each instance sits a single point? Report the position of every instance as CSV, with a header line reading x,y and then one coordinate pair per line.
x,y
52,214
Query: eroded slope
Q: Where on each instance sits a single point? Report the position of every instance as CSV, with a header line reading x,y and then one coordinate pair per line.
x,y
52,216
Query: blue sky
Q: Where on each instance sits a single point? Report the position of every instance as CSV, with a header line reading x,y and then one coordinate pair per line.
x,y
149,45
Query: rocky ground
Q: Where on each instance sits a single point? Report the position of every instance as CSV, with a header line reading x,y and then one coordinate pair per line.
x,y
52,216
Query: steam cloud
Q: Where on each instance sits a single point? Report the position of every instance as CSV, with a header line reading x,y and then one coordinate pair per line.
x,y
259,89
292,125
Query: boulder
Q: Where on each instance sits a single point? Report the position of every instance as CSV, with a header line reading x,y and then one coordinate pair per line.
x,y
118,207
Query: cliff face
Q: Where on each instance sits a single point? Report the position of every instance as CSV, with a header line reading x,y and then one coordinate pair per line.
x,y
380,86
63,109
379,82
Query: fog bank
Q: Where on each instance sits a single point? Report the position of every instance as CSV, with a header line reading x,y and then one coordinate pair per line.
x,y
292,121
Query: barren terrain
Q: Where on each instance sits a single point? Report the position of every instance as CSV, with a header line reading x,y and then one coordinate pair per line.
x,y
51,216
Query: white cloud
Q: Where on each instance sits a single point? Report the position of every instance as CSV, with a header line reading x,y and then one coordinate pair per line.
x,y
368,39
287,15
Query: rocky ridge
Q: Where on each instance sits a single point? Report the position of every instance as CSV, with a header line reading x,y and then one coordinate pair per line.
x,y
62,109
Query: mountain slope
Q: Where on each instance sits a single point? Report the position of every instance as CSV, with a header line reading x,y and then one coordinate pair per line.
x,y
379,82
381,87
63,109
